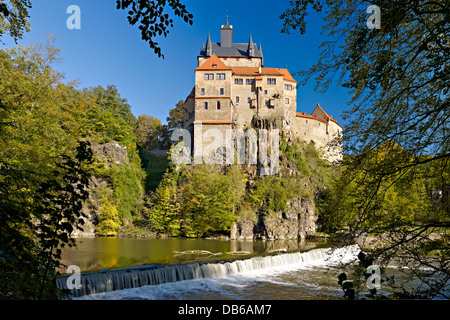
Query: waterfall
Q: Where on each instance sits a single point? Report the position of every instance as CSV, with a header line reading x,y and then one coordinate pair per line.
x,y
92,283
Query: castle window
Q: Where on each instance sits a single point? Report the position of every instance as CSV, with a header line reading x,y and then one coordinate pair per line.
x,y
218,105
286,100
221,76
202,91
214,65
222,91
209,76
249,100
239,81
237,99
206,105
250,82
288,87
271,81
265,91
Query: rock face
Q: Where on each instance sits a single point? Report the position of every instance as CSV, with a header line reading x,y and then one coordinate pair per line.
x,y
297,222
109,154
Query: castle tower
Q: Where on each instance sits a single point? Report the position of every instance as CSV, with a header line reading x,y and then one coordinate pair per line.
x,y
226,36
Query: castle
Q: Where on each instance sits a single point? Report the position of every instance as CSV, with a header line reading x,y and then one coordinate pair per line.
x,y
234,90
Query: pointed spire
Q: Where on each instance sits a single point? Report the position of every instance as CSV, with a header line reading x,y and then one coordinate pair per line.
x,y
261,54
251,48
209,49
203,48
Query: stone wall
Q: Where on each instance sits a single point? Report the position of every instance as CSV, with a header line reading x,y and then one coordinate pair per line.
x,y
322,133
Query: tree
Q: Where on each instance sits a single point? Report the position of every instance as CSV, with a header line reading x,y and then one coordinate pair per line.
x,y
108,219
148,131
13,18
398,76
37,215
176,116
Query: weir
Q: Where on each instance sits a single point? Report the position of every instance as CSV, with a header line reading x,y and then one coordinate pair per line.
x,y
104,281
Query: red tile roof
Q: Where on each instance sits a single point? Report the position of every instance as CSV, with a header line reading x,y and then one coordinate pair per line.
x,y
212,122
213,63
254,71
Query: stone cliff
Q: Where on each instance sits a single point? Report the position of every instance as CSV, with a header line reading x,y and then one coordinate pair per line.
x,y
107,155
298,221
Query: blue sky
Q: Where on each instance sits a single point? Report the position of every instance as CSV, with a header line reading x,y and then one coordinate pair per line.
x,y
107,50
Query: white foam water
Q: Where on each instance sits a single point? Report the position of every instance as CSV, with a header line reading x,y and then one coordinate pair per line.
x,y
220,280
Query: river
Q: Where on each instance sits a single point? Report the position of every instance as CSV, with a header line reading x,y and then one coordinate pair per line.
x,y
95,254
194,269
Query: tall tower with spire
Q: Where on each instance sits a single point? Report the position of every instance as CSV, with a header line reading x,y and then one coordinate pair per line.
x,y
226,35
236,54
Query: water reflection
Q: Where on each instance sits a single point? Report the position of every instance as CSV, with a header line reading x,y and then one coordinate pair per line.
x,y
94,254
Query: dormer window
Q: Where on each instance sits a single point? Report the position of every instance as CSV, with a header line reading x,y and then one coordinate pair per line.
x,y
214,65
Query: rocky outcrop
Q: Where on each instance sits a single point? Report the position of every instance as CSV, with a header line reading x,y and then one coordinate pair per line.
x,y
111,153
297,222
106,155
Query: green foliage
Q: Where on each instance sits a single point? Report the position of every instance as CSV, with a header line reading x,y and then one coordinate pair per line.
x,y
36,228
127,184
44,167
108,220
155,166
270,194
375,202
148,131
13,18
176,116
110,117
211,199
202,200
196,201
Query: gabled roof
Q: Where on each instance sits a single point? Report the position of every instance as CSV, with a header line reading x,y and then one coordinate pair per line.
x,y
213,63
318,114
308,116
